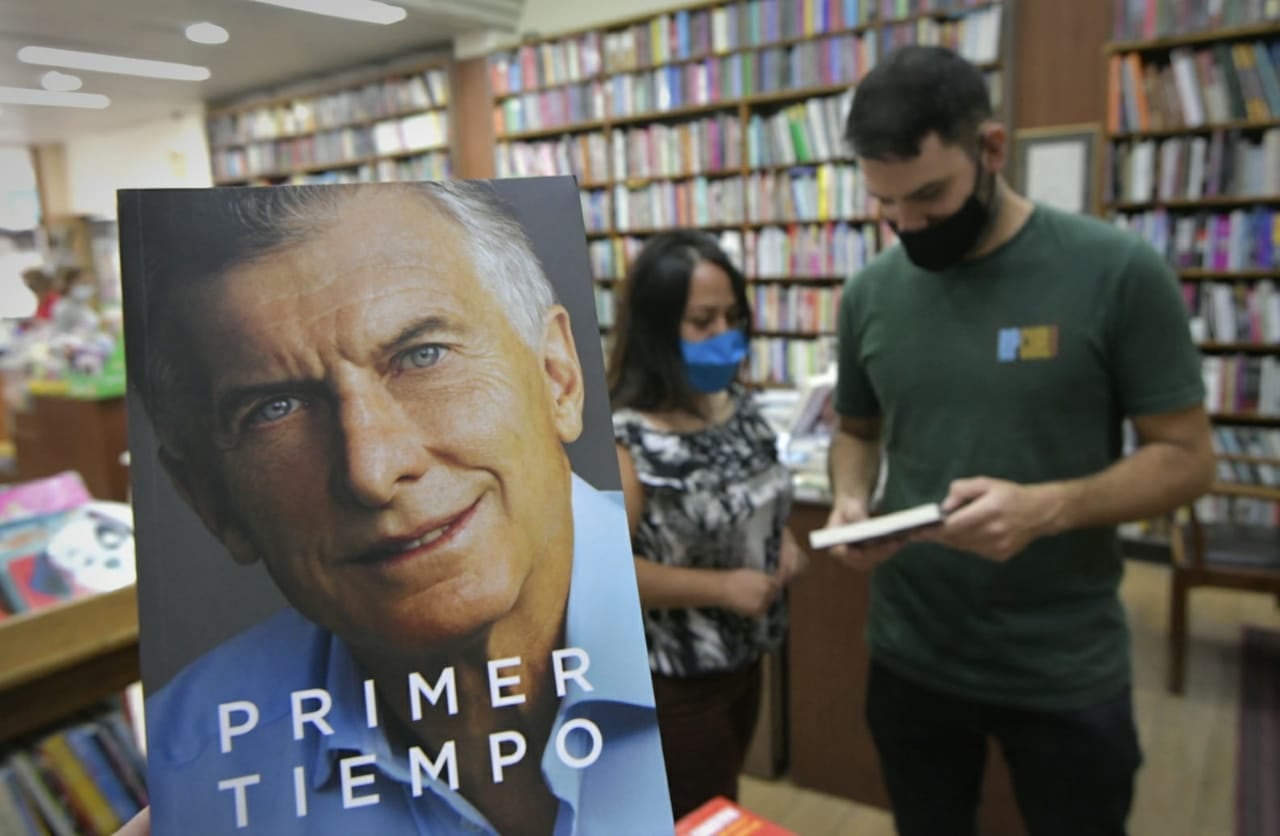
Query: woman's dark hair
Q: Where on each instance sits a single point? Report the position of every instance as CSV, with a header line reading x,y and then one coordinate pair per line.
x,y
646,367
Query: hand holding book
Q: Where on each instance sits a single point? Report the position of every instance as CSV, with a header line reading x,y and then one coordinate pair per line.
x,y
139,825
863,542
992,518
996,518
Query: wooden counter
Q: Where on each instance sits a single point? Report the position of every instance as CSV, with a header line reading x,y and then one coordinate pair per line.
x,y
88,436
829,744
64,658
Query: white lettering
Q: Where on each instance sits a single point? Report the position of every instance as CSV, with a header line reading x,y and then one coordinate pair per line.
x,y
242,805
226,731
418,687
577,673
497,759
597,743
350,782
370,705
418,762
300,791
316,717
497,683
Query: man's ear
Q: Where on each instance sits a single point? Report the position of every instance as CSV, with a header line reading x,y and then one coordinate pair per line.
x,y
995,146
564,373
200,493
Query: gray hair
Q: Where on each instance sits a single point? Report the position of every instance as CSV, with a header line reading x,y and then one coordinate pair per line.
x,y
198,237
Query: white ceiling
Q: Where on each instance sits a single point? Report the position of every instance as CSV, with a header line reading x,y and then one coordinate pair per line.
x,y
269,46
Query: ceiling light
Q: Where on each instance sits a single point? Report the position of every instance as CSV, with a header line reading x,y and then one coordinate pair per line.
x,y
365,11
52,98
100,63
207,33
60,82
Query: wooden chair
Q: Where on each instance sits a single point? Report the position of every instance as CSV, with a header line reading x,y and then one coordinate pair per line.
x,y
1217,555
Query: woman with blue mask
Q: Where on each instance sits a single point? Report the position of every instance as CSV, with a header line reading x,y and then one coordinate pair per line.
x,y
707,501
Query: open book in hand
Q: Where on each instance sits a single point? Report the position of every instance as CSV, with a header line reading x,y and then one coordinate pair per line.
x,y
879,528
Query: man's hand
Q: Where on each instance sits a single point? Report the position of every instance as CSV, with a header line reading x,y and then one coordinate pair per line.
x,y
139,825
861,556
994,518
749,592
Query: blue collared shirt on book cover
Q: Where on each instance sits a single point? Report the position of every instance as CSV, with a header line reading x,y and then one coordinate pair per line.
x,y
623,792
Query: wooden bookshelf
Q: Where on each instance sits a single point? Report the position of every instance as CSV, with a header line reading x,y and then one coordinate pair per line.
x,y
390,122
708,116
62,659
1192,163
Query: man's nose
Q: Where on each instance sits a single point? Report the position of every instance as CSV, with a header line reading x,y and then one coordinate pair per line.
x,y
383,448
909,220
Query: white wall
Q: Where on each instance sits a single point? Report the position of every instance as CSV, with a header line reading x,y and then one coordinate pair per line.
x,y
19,203
172,152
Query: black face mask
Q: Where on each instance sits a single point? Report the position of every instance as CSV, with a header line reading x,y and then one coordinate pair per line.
x,y
941,245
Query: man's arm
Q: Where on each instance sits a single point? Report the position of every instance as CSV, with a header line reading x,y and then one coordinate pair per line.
x,y
1172,466
853,460
854,465
745,591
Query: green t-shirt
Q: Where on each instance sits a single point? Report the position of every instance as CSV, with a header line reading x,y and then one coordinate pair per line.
x,y
1020,365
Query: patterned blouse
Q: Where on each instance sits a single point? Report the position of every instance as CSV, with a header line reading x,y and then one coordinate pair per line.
x,y
715,498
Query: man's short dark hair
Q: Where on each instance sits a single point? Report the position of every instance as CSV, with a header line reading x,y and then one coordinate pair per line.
x,y
913,92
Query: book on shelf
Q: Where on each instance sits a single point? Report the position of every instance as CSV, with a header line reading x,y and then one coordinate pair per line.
x,y
734,51
87,777
1229,315
390,128
728,118
1191,87
1245,240
1242,384
1139,20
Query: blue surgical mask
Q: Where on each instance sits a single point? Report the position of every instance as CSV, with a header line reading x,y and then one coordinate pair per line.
x,y
713,363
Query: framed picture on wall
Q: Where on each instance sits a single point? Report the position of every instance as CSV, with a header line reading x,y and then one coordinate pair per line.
x,y
1058,166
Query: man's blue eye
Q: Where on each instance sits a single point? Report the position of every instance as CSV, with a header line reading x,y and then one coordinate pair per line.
x,y
273,410
422,357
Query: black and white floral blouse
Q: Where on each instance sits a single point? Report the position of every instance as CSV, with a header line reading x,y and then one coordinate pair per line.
x,y
715,498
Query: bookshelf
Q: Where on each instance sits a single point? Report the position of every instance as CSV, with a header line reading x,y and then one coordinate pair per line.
x,y
728,116
378,124
1192,164
57,661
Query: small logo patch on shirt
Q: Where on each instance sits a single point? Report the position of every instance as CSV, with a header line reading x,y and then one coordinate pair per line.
x,y
1032,342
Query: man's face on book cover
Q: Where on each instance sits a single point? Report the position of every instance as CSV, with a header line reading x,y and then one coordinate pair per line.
x,y
383,438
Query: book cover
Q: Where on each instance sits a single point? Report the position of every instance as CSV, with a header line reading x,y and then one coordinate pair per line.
x,y
879,527
721,817
385,579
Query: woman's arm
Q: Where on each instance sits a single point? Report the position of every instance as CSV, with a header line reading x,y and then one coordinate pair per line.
x,y
745,591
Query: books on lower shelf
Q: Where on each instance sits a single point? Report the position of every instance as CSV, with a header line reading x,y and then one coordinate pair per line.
x,y
88,777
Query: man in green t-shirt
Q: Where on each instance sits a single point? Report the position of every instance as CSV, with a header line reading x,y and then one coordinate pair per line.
x,y
992,358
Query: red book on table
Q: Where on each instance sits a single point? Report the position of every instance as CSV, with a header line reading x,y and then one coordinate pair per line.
x,y
721,817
